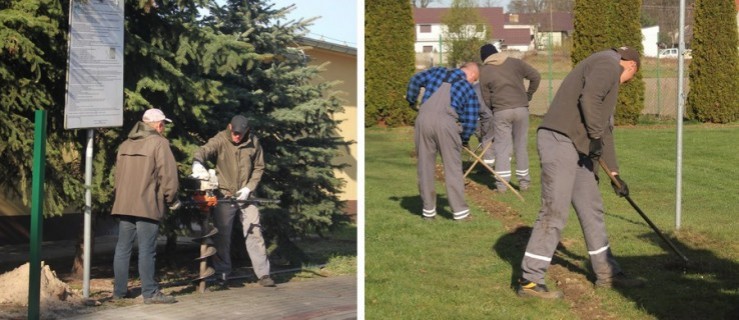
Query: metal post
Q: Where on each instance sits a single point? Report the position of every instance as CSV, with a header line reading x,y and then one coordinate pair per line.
x,y
680,106
551,52
88,217
659,86
440,50
37,213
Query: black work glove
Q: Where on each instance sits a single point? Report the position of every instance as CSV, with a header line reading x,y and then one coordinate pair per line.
x,y
623,191
596,149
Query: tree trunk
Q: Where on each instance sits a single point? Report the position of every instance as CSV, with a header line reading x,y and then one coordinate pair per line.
x,y
77,271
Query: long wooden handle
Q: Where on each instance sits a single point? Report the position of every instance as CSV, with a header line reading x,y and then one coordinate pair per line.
x,y
495,174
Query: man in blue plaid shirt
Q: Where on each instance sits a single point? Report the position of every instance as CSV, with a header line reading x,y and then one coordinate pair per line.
x,y
446,119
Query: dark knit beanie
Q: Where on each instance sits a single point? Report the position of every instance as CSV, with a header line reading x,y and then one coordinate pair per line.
x,y
487,50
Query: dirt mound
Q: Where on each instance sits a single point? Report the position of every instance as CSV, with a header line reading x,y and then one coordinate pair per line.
x,y
54,293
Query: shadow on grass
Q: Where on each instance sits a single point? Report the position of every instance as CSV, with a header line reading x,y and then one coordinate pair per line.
x,y
414,206
484,177
512,246
706,288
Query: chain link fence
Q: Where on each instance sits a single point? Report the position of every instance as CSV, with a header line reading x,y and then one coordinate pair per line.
x,y
659,76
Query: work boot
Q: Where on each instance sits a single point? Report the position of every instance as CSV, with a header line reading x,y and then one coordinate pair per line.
x,y
468,218
159,298
217,282
620,280
266,281
528,289
115,297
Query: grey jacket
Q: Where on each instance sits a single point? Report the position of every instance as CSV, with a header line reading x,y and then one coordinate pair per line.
x,y
584,105
145,175
237,165
502,82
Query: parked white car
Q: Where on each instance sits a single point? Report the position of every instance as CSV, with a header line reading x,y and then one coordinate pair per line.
x,y
672,53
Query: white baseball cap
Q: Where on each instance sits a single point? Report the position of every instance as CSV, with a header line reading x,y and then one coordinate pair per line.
x,y
154,115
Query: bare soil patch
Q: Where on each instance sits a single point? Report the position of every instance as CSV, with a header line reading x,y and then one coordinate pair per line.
x,y
578,290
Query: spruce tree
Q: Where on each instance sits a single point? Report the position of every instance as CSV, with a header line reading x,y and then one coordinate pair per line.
x,y
389,62
200,71
33,53
271,85
714,84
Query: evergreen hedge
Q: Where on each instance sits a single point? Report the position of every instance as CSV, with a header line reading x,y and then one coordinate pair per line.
x,y
389,61
603,24
714,69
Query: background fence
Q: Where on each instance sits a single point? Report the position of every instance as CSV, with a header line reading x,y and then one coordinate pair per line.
x,y
659,76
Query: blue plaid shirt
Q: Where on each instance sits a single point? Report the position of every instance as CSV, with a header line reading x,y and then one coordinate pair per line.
x,y
464,98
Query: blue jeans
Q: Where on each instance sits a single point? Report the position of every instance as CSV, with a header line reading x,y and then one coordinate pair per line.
x,y
146,231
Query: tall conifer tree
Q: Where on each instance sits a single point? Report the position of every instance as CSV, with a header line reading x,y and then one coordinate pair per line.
x,y
628,33
270,84
602,24
714,84
32,77
200,71
390,61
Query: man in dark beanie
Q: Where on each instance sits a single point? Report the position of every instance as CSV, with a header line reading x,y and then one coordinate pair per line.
x,y
485,126
487,50
504,91
239,165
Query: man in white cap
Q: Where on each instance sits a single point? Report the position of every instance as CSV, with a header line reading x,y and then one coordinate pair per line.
x,y
239,165
145,179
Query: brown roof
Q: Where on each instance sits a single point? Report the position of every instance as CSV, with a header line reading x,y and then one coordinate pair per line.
x,y
560,21
494,17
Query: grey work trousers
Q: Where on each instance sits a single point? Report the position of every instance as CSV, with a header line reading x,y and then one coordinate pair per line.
x,y
488,134
511,137
485,130
249,217
566,178
437,131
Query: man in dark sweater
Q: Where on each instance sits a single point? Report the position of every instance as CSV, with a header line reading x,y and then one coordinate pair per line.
x,y
575,132
504,91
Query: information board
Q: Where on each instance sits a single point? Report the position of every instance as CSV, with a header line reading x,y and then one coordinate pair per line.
x,y
95,67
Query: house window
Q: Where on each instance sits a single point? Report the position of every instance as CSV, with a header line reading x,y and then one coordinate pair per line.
x,y
425,28
427,49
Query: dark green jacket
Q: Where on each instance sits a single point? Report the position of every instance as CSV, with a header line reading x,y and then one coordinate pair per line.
x,y
237,165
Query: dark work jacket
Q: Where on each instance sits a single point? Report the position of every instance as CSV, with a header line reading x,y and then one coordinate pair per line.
x,y
238,165
584,105
145,175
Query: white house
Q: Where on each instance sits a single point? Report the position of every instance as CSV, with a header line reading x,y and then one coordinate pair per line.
x,y
650,37
430,32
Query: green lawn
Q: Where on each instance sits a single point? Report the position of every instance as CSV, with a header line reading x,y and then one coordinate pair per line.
x,y
416,269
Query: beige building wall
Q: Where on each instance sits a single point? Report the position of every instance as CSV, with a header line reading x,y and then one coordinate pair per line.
x,y
342,66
